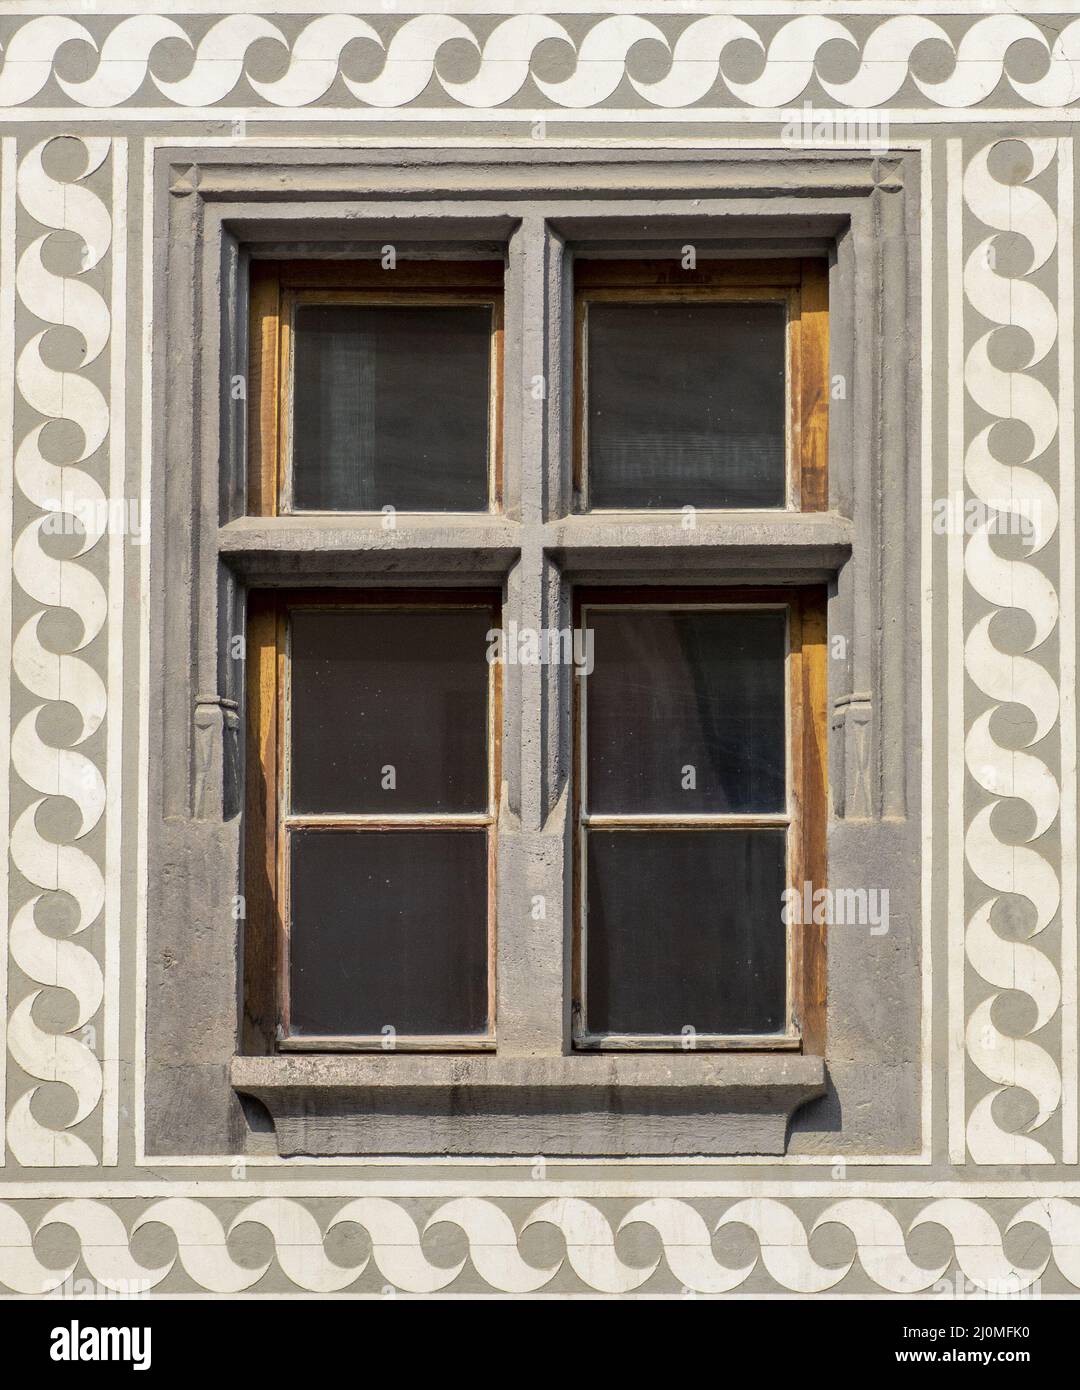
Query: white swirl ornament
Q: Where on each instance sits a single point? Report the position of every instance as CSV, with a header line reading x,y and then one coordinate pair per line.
x,y
62,493
1006,868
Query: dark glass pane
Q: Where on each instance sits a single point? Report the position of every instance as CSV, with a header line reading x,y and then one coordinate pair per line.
x,y
389,929
389,710
686,405
391,408
686,712
684,930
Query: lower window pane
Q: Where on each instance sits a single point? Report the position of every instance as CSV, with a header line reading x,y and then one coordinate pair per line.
x,y
388,929
684,930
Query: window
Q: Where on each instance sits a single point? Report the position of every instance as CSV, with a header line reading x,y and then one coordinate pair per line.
x,y
375,716
700,727
701,387
379,389
700,800
641,433
372,718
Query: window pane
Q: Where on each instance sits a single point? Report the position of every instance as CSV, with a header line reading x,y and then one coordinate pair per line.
x,y
389,929
684,929
391,408
686,405
389,710
685,711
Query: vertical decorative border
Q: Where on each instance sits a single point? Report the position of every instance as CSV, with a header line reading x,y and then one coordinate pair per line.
x,y
1010,495
926,615
142,794
954,648
114,752
8,156
61,494
1067,641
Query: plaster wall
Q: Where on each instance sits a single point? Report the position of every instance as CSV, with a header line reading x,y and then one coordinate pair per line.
x,y
980,966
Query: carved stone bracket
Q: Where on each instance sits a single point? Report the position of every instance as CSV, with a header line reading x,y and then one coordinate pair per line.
x,y
217,753
851,730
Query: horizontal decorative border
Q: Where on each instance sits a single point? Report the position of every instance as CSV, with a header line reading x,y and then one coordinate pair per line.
x,y
696,73
590,1250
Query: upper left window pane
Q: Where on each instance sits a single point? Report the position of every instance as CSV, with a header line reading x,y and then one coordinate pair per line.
x,y
391,407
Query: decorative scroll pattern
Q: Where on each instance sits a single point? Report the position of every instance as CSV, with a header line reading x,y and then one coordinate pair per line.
x,y
875,1247
871,1244
697,71
59,491
1018,871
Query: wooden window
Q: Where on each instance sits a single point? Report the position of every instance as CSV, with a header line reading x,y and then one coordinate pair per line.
x,y
372,738
700,799
375,388
699,724
705,388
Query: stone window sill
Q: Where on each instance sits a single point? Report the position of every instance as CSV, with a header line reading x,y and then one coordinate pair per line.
x,y
716,1104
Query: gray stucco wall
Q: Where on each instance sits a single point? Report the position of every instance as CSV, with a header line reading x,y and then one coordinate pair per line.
x,y
955,1149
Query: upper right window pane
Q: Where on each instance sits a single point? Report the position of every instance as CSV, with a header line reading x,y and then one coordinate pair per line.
x,y
702,388
686,404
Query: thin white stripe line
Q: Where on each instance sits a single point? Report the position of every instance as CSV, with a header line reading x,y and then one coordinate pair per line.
x,y
1067,641
7,475
926,581
744,9
660,1161
656,145
488,142
147,214
114,750
834,1190
505,115
955,647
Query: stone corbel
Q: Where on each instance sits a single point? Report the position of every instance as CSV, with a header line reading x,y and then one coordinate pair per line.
x,y
851,731
217,724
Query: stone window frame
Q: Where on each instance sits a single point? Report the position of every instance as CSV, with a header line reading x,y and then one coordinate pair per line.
x,y
215,209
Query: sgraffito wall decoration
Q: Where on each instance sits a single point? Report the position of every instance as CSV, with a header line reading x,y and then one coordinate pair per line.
x,y
1020,935
592,1253
59,474
990,97
698,57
